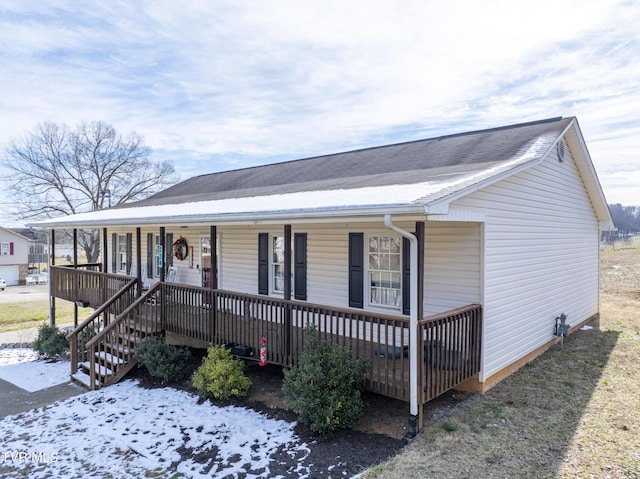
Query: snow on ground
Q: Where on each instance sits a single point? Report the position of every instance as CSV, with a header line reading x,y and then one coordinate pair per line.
x,y
19,367
129,431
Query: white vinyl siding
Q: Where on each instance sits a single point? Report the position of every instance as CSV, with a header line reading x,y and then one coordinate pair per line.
x,y
452,266
541,259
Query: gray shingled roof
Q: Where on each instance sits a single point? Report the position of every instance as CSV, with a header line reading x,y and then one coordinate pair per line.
x,y
405,178
435,159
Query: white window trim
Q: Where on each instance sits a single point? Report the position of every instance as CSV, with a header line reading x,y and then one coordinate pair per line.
x,y
122,255
368,303
272,265
5,249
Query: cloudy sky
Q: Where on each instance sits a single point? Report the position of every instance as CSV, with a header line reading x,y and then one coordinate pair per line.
x,y
214,85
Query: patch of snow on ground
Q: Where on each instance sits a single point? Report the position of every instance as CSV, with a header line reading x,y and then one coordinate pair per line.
x,y
33,375
127,431
16,355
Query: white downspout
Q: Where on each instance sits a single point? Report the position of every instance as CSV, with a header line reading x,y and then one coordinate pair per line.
x,y
413,316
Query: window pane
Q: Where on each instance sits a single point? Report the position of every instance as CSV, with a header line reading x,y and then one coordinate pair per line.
x,y
394,262
278,278
373,244
374,261
394,246
385,262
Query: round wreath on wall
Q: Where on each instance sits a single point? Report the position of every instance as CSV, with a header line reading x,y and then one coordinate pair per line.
x,y
180,248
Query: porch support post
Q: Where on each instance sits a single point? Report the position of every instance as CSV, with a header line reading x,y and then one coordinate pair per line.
x,y
105,251
138,262
213,234
52,262
163,256
75,266
75,248
213,280
287,289
420,268
104,269
414,406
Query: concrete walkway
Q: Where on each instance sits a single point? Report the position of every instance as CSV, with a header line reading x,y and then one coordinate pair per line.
x,y
14,400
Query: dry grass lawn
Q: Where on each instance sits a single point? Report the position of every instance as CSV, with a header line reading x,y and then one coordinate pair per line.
x,y
574,412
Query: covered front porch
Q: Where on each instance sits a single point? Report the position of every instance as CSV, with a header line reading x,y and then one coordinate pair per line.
x,y
449,343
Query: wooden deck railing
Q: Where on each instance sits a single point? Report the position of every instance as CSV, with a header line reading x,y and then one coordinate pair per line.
x,y
449,349
115,343
96,322
91,288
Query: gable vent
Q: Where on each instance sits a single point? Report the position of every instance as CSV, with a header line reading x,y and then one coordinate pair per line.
x,y
562,150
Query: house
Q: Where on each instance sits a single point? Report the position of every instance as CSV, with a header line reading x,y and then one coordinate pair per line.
x,y
14,256
446,262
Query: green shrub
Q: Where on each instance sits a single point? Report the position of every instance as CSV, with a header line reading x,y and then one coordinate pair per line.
x,y
325,387
51,341
163,360
220,375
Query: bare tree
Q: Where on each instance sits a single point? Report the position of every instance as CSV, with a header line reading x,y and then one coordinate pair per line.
x,y
59,171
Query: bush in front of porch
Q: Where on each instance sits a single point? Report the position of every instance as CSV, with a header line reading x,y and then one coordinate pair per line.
x,y
220,375
325,386
163,360
51,341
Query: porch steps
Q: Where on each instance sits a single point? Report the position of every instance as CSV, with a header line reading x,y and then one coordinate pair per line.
x,y
84,379
115,359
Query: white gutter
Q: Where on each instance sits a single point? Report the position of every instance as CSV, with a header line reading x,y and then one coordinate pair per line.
x,y
413,315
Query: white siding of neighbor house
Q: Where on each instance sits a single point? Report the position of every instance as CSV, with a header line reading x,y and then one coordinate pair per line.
x,y
541,258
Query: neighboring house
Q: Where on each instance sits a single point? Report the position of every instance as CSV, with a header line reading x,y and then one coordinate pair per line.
x,y
446,254
14,256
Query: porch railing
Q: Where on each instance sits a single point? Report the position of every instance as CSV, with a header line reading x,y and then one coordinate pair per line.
x,y
91,288
450,346
449,349
97,322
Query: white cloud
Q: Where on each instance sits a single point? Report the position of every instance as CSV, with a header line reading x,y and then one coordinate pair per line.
x,y
237,83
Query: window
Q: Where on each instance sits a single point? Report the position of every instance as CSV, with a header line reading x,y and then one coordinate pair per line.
x,y
384,271
277,264
271,274
5,249
122,253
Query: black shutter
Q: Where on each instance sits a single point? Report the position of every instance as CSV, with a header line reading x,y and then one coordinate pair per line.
x,y
300,266
168,251
356,270
129,252
114,253
263,263
406,276
149,255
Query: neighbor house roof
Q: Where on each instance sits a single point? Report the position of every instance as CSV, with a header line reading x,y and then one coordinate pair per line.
x,y
412,177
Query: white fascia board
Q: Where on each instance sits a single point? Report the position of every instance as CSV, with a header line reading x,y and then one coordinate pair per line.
x,y
263,217
588,172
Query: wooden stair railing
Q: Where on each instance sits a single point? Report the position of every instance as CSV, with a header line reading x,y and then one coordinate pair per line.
x,y
100,318
107,354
